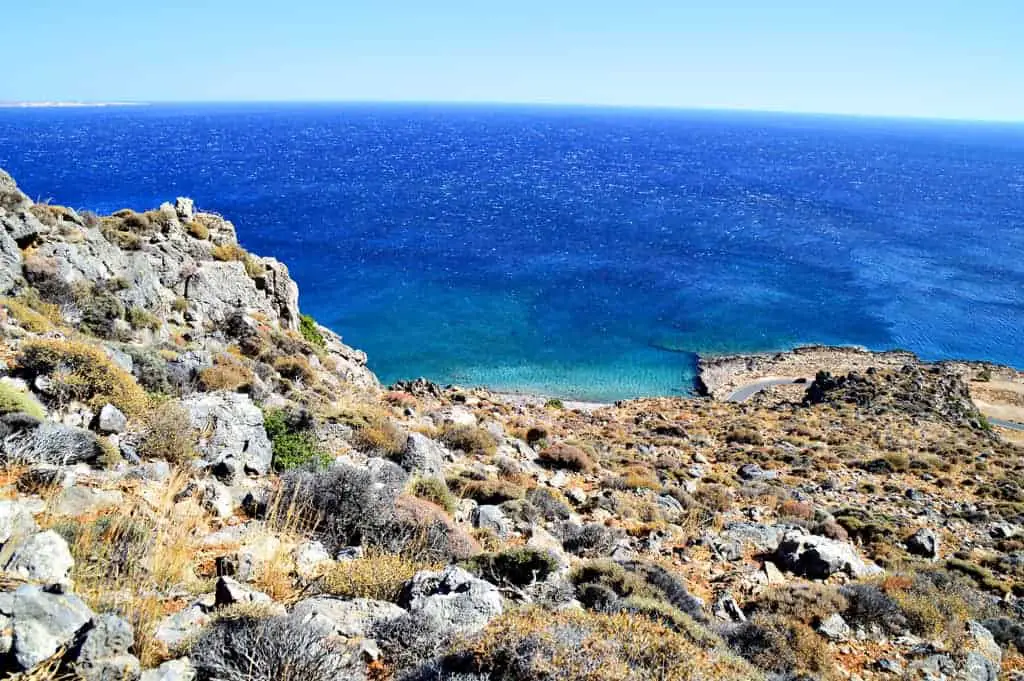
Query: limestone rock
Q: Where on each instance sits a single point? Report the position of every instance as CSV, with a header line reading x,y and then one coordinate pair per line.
x,y
453,598
77,501
487,517
835,628
42,622
238,443
423,456
354,618
924,543
818,557
15,520
185,208
112,420
177,629
230,592
43,557
103,653
172,670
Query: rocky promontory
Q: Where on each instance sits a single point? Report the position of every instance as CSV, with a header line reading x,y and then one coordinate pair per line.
x,y
199,482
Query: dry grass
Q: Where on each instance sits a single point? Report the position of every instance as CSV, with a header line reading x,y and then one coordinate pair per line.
x,y
538,645
378,576
129,562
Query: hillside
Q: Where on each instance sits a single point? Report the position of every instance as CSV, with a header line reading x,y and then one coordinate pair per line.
x,y
200,482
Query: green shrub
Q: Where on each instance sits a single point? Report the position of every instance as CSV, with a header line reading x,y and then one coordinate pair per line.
x,y
554,403
293,447
140,318
519,566
433,490
309,330
14,400
100,309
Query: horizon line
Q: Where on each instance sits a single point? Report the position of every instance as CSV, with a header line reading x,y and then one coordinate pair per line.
x,y
56,104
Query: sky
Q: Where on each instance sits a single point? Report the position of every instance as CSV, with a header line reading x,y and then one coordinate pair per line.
x,y
920,58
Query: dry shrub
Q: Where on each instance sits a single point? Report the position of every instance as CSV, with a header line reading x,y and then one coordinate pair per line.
x,y
380,435
782,646
228,253
295,367
791,508
809,603
197,230
472,440
80,371
563,455
347,506
538,645
492,491
227,373
267,649
377,576
169,434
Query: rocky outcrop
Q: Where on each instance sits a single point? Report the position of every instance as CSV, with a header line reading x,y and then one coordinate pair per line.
x,y
923,392
236,443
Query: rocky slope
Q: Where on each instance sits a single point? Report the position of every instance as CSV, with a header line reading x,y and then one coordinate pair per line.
x,y
198,482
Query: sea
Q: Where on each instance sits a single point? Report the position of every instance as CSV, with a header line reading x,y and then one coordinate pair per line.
x,y
582,253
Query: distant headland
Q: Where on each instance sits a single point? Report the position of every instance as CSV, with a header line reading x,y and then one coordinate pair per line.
x,y
64,105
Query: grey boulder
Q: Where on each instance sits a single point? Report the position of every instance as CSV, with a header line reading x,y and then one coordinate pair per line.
x,y
43,557
454,599
237,443
103,653
172,670
423,456
41,623
112,420
819,557
924,543
355,618
15,520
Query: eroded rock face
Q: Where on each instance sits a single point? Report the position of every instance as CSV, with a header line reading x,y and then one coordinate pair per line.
x,y
453,598
238,443
819,557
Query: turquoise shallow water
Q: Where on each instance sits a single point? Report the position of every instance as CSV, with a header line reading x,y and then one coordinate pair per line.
x,y
581,252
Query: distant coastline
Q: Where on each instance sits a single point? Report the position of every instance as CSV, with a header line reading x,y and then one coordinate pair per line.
x,y
65,105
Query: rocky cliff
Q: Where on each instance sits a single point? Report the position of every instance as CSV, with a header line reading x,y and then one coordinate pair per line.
x,y
198,482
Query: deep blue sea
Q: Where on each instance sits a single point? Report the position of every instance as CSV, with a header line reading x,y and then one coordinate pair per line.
x,y
580,252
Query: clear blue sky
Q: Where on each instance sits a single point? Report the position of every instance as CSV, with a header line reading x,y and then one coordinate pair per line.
x,y
932,58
